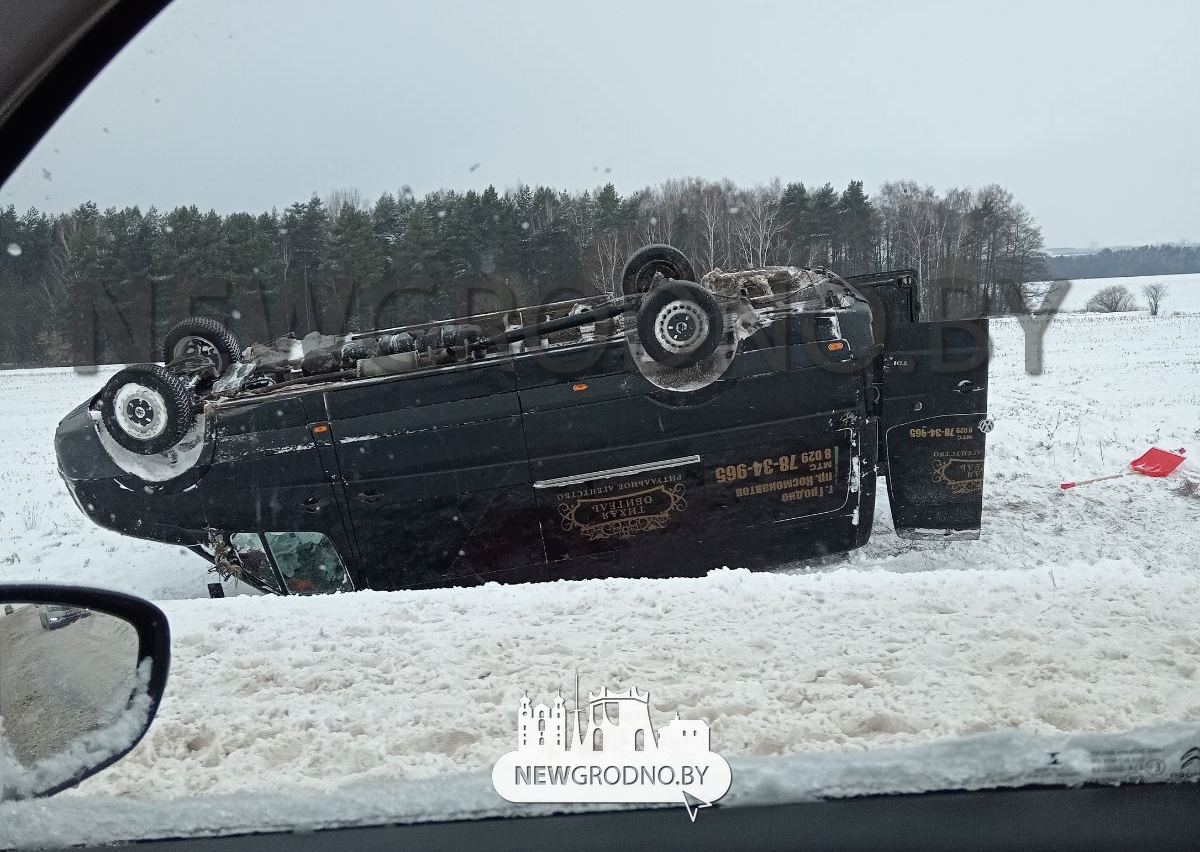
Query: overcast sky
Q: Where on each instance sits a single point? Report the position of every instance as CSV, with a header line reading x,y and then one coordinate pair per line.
x,y
1088,112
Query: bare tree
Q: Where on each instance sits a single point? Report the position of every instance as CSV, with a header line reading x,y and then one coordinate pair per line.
x,y
661,208
610,255
1154,294
983,240
1112,299
73,233
757,224
347,195
910,226
707,203
712,211
580,214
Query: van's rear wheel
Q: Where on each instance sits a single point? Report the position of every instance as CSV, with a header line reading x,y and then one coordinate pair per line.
x,y
638,274
147,409
680,324
202,336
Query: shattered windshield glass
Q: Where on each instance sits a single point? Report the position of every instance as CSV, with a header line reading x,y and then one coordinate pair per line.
x,y
486,397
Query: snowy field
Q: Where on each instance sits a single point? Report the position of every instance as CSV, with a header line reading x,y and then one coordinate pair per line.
x,y
1072,613
1183,291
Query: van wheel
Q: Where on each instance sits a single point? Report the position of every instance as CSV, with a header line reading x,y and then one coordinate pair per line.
x,y
147,409
670,262
202,336
679,324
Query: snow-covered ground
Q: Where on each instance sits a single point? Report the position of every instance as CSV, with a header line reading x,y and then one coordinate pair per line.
x,y
1073,612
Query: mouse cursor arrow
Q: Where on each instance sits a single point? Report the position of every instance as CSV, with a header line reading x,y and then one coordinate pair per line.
x,y
693,805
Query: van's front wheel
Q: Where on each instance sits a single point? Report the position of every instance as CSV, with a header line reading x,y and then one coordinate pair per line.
x,y
147,409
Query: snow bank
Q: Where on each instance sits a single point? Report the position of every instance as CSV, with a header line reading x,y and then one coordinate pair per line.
x,y
278,693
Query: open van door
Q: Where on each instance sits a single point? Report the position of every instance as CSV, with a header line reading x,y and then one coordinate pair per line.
x,y
931,382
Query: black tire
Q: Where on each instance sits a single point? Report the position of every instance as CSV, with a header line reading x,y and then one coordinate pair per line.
x,y
147,409
680,324
202,336
638,273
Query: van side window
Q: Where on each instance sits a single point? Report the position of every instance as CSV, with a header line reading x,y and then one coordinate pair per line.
x,y
309,563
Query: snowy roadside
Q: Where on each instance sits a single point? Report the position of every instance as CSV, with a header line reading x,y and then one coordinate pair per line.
x,y
277,693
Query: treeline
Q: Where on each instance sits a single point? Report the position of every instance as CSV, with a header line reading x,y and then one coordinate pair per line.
x,y
96,286
1119,263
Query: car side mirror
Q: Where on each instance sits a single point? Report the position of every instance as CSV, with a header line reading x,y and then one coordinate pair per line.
x,y
81,675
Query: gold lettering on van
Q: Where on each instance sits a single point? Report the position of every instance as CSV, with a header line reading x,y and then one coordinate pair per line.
x,y
624,512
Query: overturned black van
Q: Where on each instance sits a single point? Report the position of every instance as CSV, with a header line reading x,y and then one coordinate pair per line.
x,y
685,424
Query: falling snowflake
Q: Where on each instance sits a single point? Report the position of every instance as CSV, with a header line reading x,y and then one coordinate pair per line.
x,y
14,249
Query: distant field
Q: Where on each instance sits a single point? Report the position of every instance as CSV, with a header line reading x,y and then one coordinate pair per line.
x,y
1183,294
